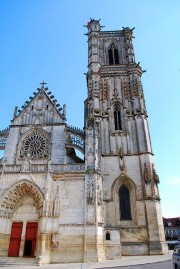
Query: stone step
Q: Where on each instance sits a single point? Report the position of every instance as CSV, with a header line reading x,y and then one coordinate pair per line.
x,y
17,261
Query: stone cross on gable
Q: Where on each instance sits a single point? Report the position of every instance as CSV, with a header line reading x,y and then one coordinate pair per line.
x,y
43,83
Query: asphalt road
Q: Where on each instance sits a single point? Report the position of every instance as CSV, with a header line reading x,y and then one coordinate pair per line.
x,y
158,265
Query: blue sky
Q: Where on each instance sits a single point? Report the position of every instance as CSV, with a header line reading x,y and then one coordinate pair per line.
x,y
44,40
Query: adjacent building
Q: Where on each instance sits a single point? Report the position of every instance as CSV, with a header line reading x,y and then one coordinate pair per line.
x,y
172,228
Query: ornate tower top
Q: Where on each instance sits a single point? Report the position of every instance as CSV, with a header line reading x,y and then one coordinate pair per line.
x,y
93,26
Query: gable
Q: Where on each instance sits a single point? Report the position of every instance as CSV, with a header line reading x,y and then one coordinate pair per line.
x,y
40,109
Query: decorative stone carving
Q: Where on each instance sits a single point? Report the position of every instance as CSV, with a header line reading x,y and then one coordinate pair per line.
x,y
99,194
126,90
64,110
90,193
115,95
90,122
147,177
15,112
25,167
141,94
14,196
155,175
47,208
59,168
135,88
104,92
96,89
35,145
51,203
90,90
121,155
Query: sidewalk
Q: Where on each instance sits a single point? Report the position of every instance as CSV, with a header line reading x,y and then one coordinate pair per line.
x,y
125,261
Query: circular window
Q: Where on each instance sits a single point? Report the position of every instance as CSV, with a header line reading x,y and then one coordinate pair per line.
x,y
35,145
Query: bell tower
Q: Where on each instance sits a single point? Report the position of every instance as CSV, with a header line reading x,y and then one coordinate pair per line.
x,y
119,157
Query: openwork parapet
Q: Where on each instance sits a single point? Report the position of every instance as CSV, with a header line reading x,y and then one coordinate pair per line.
x,y
43,168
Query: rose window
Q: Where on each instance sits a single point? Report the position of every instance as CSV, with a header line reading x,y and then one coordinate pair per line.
x,y
35,145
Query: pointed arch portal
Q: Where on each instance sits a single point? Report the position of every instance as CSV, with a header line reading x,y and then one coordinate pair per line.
x,y
14,206
14,196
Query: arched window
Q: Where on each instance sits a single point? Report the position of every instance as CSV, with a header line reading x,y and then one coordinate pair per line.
x,y
116,56
110,56
108,236
117,118
124,199
113,55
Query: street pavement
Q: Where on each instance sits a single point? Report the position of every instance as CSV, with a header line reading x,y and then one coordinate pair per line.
x,y
157,265
126,261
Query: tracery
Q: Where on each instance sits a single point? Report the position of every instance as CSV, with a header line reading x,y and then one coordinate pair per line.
x,y
35,145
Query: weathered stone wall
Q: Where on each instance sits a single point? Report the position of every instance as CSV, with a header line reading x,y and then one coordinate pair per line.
x,y
4,244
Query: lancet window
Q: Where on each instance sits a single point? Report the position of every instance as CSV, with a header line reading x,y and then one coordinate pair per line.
x,y
113,55
124,200
117,118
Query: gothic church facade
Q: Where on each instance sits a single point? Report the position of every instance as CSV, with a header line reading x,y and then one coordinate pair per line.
x,y
61,208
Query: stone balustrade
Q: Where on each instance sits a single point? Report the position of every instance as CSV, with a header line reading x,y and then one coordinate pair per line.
x,y
35,168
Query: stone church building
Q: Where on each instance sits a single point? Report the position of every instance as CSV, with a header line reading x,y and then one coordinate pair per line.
x,y
58,207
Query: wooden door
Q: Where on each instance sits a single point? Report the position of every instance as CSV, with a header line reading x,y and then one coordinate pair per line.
x,y
15,239
30,239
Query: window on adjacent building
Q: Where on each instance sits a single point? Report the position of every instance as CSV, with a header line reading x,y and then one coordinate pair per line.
x,y
117,118
124,199
113,54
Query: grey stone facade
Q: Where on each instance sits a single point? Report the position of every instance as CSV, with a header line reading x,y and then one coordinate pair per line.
x,y
101,208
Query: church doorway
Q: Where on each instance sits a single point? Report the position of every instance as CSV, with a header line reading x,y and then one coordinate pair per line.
x,y
28,248
24,202
30,239
16,238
